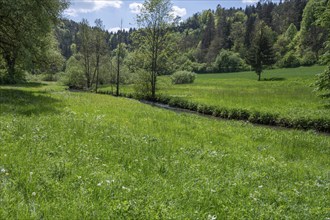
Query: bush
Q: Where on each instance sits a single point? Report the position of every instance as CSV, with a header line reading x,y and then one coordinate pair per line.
x,y
183,77
228,61
142,84
256,117
76,79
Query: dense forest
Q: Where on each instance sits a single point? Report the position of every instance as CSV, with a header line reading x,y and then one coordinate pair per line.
x,y
290,33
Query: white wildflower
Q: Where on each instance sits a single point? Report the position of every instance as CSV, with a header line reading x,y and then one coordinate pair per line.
x,y
211,217
100,183
109,181
2,170
34,193
125,188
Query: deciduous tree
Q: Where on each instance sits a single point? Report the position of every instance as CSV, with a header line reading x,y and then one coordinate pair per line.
x,y
85,37
99,49
154,21
23,26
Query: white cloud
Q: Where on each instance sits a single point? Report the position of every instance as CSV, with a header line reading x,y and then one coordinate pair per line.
x,y
71,12
249,1
176,11
135,7
96,5
116,29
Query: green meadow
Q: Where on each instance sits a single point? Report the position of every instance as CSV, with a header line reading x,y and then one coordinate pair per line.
x,y
287,92
70,155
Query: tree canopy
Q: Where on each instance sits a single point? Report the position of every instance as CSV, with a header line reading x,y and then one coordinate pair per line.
x,y
23,26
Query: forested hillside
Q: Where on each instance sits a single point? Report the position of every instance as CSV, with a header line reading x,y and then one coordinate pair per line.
x,y
219,40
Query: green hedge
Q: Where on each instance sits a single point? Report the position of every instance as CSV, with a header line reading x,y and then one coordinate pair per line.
x,y
264,118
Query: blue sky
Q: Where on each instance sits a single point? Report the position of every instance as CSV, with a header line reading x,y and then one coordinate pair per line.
x,y
113,11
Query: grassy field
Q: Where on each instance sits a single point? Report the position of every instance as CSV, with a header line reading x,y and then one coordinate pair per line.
x,y
66,155
286,92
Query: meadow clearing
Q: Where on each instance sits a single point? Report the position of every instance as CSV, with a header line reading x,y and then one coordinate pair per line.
x,y
287,92
69,155
284,97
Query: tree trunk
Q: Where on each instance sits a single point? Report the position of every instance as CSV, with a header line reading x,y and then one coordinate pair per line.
x,y
259,76
118,72
153,86
11,62
97,79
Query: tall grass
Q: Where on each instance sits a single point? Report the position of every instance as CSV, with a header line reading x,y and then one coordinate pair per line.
x,y
79,155
287,92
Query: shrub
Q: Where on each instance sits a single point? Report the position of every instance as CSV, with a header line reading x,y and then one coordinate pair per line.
x,y
256,117
142,84
183,77
76,79
228,61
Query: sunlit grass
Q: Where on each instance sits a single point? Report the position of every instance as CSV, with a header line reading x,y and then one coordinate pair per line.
x,y
67,155
287,92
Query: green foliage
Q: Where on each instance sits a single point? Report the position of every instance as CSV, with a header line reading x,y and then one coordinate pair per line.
x,y
281,46
183,77
142,85
322,9
207,38
261,52
312,35
50,60
323,84
265,118
153,37
308,59
291,32
290,60
237,34
228,61
75,73
24,26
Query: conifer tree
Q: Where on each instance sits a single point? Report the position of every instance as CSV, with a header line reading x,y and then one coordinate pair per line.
x,y
261,52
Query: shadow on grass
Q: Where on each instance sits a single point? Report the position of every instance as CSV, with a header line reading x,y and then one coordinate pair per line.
x,y
274,79
25,85
14,101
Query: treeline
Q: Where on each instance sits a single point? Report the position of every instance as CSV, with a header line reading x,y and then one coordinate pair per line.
x,y
219,40
67,34
93,55
288,34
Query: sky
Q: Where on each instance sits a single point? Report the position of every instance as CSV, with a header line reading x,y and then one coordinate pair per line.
x,y
112,12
